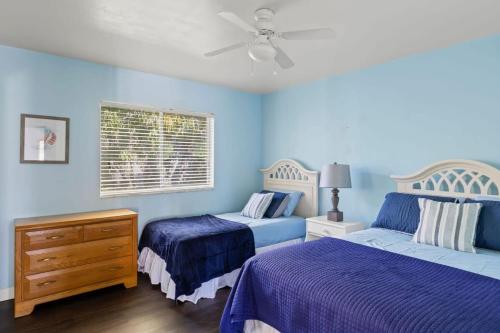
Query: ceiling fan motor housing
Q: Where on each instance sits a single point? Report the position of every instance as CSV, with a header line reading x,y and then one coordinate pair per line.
x,y
264,19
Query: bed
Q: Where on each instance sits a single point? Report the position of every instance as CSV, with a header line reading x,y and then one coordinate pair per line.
x,y
268,234
376,280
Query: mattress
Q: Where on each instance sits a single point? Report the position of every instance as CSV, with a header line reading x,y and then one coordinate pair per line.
x,y
271,231
484,262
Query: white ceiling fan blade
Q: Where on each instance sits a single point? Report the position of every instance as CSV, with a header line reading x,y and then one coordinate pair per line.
x,y
325,33
225,49
238,21
283,59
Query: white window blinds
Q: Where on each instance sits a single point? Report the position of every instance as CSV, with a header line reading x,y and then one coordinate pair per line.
x,y
147,151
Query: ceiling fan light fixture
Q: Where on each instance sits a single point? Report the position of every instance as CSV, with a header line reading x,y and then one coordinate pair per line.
x,y
261,51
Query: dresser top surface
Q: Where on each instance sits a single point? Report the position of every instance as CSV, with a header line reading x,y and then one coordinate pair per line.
x,y
86,217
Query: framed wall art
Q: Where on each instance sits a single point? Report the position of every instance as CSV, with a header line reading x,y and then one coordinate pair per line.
x,y
44,139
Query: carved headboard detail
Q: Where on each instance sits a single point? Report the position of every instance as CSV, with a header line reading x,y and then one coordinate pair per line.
x,y
290,175
458,178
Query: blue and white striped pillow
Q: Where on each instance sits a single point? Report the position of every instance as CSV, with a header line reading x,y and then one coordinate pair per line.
x,y
448,225
280,209
257,205
278,204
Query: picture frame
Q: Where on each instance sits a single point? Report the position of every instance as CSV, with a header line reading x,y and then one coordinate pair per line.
x,y
44,139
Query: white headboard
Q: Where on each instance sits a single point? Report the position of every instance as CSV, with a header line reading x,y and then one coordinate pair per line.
x,y
290,175
456,178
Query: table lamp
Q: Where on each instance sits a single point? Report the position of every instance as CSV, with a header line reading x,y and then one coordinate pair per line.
x,y
335,176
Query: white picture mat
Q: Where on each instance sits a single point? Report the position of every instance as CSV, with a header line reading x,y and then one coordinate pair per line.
x,y
39,148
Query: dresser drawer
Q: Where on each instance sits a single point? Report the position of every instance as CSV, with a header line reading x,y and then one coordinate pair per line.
x,y
44,260
42,239
43,284
325,230
107,230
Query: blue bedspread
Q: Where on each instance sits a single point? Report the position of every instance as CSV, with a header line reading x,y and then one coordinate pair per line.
x,y
333,285
198,249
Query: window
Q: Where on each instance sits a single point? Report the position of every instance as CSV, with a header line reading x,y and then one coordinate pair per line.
x,y
144,150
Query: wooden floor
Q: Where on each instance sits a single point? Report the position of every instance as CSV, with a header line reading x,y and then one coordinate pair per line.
x,y
143,309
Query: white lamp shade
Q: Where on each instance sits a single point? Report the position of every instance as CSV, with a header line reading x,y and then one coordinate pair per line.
x,y
335,176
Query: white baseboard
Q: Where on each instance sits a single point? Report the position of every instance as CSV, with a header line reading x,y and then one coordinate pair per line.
x,y
6,294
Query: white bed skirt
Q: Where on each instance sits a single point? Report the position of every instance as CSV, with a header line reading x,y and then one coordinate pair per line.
x,y
257,326
151,264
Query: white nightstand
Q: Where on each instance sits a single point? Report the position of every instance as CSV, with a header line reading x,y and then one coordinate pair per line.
x,y
319,226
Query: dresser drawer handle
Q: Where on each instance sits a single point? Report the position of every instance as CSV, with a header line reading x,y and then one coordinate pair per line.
x,y
47,259
46,283
113,248
54,237
326,231
114,268
107,229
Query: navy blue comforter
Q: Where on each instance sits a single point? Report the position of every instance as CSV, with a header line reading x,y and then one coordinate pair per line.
x,y
332,285
198,249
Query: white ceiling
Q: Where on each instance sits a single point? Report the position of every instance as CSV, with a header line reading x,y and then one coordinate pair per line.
x,y
170,36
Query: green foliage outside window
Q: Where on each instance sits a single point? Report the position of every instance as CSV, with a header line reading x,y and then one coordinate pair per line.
x,y
143,150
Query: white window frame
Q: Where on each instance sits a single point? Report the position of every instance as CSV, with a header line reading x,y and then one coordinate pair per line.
x,y
171,189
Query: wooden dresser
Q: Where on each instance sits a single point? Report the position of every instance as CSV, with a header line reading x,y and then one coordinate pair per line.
x,y
64,255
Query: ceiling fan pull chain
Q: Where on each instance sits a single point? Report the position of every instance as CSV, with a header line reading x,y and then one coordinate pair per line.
x,y
252,67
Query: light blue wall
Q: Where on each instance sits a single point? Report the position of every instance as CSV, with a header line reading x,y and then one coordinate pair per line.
x,y
390,119
38,83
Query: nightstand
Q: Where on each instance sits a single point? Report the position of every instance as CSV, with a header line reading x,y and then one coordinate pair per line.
x,y
319,226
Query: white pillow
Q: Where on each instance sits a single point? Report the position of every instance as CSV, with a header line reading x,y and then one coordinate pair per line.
x,y
447,224
257,205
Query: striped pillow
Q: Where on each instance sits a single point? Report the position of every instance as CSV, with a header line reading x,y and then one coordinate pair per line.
x,y
448,225
281,208
278,204
257,205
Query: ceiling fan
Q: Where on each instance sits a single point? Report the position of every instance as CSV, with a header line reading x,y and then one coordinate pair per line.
x,y
264,48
